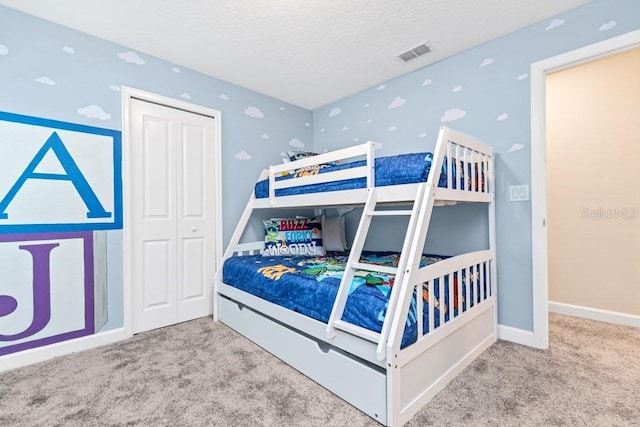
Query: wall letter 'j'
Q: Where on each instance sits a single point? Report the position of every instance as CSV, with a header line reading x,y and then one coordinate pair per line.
x,y
41,292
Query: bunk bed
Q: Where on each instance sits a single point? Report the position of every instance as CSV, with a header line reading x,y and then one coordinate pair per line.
x,y
434,315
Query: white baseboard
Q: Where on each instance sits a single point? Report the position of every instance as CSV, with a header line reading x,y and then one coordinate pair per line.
x,y
507,333
40,354
595,314
518,336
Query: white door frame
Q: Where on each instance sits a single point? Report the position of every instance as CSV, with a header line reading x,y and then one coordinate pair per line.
x,y
127,94
539,71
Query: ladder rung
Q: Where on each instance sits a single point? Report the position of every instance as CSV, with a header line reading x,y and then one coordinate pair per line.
x,y
390,213
356,330
374,267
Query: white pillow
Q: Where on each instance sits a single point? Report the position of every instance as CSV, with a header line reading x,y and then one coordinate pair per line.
x,y
333,234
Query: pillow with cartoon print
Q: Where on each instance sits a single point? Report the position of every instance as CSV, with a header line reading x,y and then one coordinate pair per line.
x,y
297,155
293,236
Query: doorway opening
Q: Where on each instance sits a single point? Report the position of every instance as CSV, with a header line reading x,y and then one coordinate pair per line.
x,y
539,203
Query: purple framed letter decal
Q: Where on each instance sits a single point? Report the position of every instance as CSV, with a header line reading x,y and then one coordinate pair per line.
x,y
46,289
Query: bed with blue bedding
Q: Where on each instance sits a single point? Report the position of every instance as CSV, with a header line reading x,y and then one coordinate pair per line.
x,y
308,285
391,170
395,344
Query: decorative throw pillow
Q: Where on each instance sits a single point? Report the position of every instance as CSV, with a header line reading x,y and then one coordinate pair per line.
x,y
297,155
333,234
293,236
291,156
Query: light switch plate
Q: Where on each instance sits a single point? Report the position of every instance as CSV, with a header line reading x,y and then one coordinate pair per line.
x,y
519,193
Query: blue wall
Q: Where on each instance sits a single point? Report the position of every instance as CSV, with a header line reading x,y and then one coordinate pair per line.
x,y
50,71
486,92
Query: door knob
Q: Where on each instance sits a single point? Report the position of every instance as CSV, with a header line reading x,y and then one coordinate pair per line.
x,y
194,229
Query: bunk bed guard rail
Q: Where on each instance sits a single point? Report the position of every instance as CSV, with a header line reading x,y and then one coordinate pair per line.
x,y
301,178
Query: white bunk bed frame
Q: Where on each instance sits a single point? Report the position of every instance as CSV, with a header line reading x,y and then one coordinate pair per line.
x,y
368,369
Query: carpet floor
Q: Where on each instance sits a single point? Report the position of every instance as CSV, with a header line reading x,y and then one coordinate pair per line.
x,y
201,373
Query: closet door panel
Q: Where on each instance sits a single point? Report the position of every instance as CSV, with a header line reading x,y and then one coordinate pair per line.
x,y
153,203
196,222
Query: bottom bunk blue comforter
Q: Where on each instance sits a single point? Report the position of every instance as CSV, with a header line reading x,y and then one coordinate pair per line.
x,y
309,285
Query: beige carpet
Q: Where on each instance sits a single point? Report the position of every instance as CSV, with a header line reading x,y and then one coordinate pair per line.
x,y
201,373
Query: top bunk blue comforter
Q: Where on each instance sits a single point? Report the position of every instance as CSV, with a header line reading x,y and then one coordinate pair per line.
x,y
391,170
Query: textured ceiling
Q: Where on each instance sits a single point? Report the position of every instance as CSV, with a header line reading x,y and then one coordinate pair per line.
x,y
306,52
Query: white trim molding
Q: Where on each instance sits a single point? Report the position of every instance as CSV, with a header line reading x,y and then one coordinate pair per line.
x,y
539,71
595,314
516,335
129,93
40,354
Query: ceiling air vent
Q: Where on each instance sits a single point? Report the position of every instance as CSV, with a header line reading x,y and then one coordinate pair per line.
x,y
414,53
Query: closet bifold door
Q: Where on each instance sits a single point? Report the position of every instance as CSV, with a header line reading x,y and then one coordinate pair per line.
x,y
172,214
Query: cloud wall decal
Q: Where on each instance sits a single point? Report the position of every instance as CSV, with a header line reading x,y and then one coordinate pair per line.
x,y
295,142
453,114
487,61
254,112
554,24
608,25
131,57
334,112
94,112
46,81
242,155
397,102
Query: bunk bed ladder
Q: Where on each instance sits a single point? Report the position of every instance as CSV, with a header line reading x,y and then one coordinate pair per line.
x,y
335,319
353,264
402,269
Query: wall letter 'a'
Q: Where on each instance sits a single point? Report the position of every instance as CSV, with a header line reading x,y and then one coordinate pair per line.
x,y
72,174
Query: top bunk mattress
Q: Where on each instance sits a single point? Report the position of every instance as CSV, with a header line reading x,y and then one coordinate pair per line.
x,y
392,170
